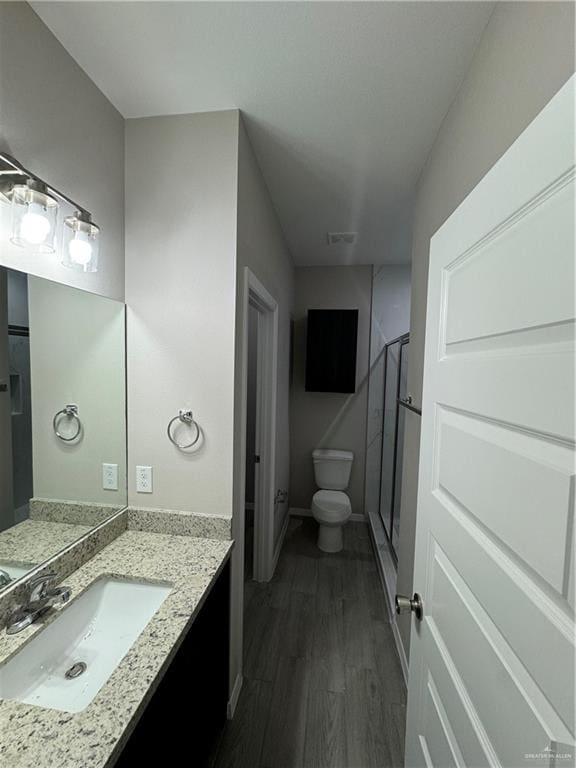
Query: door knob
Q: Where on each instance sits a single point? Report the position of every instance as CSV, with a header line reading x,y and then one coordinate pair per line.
x,y
406,605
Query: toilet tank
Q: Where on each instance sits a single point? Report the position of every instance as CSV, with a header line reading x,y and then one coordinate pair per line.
x,y
332,468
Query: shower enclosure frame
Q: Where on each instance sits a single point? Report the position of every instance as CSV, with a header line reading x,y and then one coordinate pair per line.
x,y
403,341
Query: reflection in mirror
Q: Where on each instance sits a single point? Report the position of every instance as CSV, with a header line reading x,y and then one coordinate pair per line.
x,y
62,417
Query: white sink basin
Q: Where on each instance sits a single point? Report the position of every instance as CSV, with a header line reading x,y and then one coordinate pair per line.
x,y
97,629
15,570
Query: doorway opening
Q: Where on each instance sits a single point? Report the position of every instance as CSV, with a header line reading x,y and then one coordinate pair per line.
x,y
261,341
15,400
252,447
257,538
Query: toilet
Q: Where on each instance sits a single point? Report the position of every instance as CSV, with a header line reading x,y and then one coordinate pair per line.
x,y
331,507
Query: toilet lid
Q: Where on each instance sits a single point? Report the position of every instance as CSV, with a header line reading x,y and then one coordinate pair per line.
x,y
335,502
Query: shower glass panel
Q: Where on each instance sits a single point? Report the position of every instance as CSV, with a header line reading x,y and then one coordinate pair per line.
x,y
396,369
401,417
390,321
392,367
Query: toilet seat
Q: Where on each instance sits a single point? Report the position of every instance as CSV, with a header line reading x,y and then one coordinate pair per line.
x,y
331,507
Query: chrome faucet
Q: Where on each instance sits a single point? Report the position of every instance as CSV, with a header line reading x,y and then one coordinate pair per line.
x,y
42,595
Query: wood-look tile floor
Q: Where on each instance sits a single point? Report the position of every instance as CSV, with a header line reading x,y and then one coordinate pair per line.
x,y
322,686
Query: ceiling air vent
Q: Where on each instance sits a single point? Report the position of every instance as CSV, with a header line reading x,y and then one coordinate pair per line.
x,y
346,238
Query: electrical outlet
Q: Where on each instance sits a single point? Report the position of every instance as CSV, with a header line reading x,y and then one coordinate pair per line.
x,y
110,477
144,479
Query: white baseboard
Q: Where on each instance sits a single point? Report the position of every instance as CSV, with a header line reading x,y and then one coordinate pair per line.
x,y
280,543
355,517
233,701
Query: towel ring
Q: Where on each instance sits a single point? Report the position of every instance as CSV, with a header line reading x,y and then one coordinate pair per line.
x,y
185,417
71,412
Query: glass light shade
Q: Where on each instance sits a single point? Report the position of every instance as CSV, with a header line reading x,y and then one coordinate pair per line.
x,y
80,243
34,217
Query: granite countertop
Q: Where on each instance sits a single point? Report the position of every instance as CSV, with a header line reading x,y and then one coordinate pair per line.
x,y
38,737
33,541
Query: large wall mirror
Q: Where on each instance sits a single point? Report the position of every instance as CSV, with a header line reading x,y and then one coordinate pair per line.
x,y
62,417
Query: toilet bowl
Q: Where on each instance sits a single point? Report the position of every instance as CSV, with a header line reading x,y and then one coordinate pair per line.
x,y
331,507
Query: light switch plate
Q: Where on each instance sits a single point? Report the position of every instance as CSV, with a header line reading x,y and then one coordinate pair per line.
x,y
110,477
144,479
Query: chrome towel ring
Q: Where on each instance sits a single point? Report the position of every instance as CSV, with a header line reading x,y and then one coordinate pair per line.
x,y
184,417
71,412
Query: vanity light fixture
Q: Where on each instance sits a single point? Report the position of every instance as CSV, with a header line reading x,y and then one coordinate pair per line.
x,y
35,217
80,242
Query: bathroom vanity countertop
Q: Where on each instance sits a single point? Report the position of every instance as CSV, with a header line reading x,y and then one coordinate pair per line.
x,y
38,737
33,541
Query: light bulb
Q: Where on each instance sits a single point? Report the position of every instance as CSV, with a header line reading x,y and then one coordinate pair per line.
x,y
34,228
80,242
80,251
34,216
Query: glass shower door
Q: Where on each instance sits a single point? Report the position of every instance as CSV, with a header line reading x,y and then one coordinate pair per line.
x,y
401,420
395,382
391,368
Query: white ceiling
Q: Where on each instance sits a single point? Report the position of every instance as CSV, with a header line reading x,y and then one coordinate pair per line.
x,y
342,100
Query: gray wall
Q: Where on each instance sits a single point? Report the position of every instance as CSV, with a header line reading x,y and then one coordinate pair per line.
x,y
322,419
56,122
524,57
181,198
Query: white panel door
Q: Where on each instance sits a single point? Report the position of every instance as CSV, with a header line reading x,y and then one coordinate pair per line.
x,y
492,659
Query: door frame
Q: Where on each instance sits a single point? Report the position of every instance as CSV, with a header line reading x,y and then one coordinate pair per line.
x,y
255,294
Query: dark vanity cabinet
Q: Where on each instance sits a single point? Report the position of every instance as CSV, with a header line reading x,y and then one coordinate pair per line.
x,y
186,714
